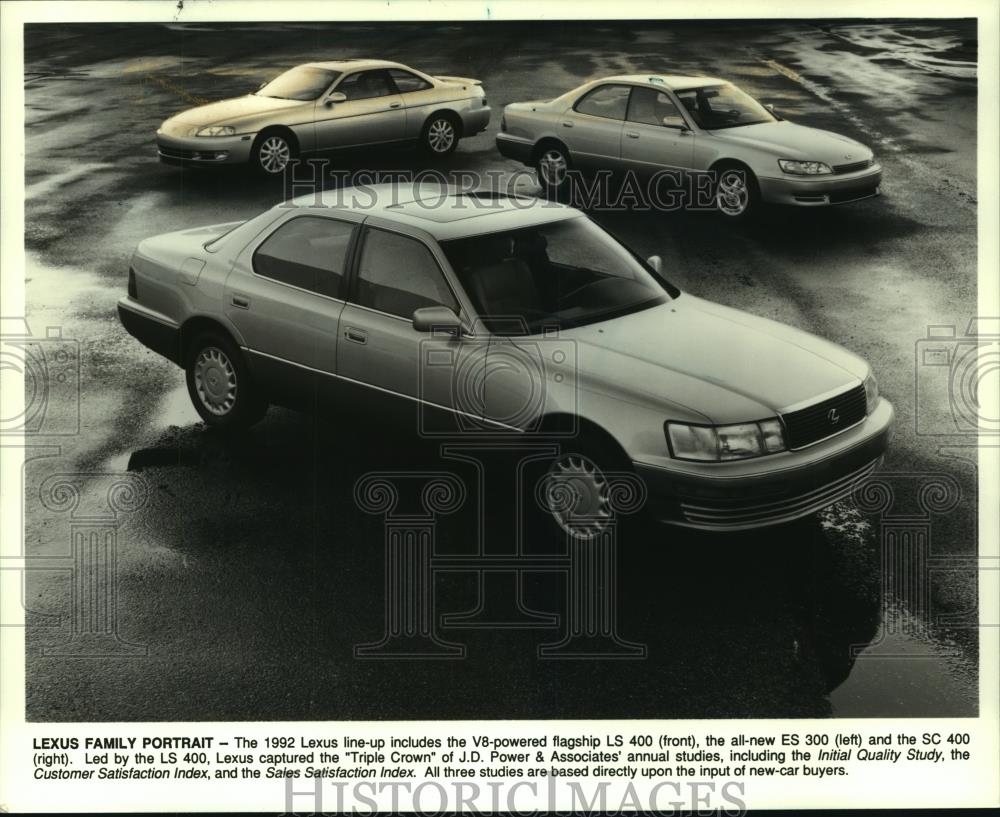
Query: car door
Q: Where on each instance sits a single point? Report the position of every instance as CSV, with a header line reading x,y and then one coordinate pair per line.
x,y
592,127
419,98
285,295
655,135
372,113
391,365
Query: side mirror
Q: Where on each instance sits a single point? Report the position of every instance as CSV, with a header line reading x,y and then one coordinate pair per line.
x,y
431,318
656,263
334,98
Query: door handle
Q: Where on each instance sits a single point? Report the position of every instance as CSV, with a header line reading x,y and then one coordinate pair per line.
x,y
631,134
356,335
395,104
241,301
567,124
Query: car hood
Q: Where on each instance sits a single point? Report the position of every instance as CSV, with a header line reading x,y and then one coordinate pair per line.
x,y
706,362
229,111
786,140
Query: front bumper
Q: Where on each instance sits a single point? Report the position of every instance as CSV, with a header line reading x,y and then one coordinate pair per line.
x,y
820,191
773,489
204,151
515,148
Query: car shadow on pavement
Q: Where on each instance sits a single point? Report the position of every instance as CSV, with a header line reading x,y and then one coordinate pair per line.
x,y
271,580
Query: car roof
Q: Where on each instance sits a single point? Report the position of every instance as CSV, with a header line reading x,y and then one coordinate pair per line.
x,y
443,212
355,64
674,82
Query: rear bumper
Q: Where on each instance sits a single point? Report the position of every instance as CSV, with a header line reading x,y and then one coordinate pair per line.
x,y
151,329
769,497
475,120
820,191
514,148
204,151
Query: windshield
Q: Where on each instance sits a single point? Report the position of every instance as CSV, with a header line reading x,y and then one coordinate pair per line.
x,y
561,274
302,83
723,106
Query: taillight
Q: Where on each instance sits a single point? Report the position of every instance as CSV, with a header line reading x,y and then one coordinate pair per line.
x,y
133,291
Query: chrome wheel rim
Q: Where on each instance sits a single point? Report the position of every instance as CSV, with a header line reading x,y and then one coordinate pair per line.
x,y
575,492
552,167
215,381
274,154
733,193
441,135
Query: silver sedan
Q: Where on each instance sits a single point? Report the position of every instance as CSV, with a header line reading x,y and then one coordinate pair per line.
x,y
324,106
479,315
747,153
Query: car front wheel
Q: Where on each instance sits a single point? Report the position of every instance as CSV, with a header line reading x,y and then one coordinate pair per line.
x,y
271,153
220,385
582,488
737,195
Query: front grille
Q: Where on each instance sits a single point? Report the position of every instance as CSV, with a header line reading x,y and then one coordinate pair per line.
x,y
743,515
815,423
853,166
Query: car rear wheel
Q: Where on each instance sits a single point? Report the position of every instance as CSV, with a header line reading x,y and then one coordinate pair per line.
x,y
737,194
552,165
440,136
220,385
272,153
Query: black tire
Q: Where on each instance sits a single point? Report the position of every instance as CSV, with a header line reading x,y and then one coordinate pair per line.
x,y
272,152
571,494
220,384
440,135
552,164
736,192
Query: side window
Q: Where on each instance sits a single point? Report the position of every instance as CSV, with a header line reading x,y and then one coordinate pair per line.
x,y
398,274
608,101
307,252
366,85
648,106
407,82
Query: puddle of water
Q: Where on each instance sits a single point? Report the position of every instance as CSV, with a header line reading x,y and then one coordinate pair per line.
x,y
175,409
50,182
904,676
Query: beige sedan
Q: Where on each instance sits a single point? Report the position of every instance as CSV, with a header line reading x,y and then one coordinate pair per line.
x,y
324,106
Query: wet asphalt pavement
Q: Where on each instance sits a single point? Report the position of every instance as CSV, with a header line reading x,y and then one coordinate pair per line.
x,y
246,572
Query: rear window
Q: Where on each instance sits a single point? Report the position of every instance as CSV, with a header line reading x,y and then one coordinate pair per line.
x,y
307,252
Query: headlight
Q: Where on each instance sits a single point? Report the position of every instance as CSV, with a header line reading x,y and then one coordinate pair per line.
x,y
871,393
797,168
720,443
216,130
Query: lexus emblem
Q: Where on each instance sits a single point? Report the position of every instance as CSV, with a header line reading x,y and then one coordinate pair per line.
x,y
847,155
833,417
